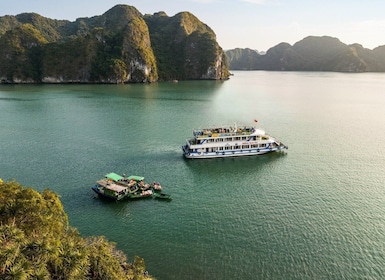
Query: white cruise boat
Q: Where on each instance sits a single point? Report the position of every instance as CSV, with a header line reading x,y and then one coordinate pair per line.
x,y
230,141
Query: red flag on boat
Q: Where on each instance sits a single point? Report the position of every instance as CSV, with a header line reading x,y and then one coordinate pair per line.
x,y
255,120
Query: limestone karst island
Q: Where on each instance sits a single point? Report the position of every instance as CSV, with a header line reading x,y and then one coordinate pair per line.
x,y
124,46
120,46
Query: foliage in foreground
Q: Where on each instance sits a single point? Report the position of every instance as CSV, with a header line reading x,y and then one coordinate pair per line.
x,y
36,242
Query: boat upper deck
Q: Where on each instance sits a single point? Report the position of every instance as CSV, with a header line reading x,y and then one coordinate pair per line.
x,y
225,131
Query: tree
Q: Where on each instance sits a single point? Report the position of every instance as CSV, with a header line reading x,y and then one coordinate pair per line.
x,y
118,67
37,242
12,262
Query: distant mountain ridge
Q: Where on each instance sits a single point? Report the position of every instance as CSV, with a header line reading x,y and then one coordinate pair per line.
x,y
313,53
120,46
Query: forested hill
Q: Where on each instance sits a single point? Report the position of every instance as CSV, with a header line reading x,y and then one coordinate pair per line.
x,y
311,54
120,46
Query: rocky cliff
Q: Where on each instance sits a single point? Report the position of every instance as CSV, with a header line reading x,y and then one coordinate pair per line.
x,y
120,46
186,48
311,54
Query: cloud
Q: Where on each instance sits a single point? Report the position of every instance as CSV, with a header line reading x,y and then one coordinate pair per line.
x,y
369,25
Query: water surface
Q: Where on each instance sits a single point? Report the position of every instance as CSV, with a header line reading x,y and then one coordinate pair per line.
x,y
314,212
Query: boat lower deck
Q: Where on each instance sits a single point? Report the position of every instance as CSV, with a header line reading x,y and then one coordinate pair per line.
x,y
230,153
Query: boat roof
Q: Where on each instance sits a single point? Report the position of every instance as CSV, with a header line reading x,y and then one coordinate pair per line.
x,y
102,182
116,188
114,176
136,178
113,187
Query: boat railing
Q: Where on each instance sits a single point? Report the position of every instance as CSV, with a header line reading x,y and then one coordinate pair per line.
x,y
223,132
192,141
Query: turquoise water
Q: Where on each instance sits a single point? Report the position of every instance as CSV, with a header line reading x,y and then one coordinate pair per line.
x,y
316,211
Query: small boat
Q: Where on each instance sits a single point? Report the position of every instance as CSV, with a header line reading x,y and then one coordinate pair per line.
x,y
123,180
130,182
117,187
143,186
161,195
141,194
138,179
230,141
110,190
156,187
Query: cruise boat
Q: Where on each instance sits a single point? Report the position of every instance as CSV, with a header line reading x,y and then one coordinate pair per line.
x,y
230,141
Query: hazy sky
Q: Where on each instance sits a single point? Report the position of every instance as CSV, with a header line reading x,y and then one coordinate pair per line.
x,y
255,24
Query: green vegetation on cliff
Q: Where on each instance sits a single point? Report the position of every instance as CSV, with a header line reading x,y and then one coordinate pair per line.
x,y
21,52
119,46
36,242
185,48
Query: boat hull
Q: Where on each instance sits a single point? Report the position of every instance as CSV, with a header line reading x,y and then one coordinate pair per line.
x,y
234,153
139,196
98,189
162,196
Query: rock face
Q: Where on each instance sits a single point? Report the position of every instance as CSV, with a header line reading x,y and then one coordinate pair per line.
x,y
311,54
186,48
120,46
